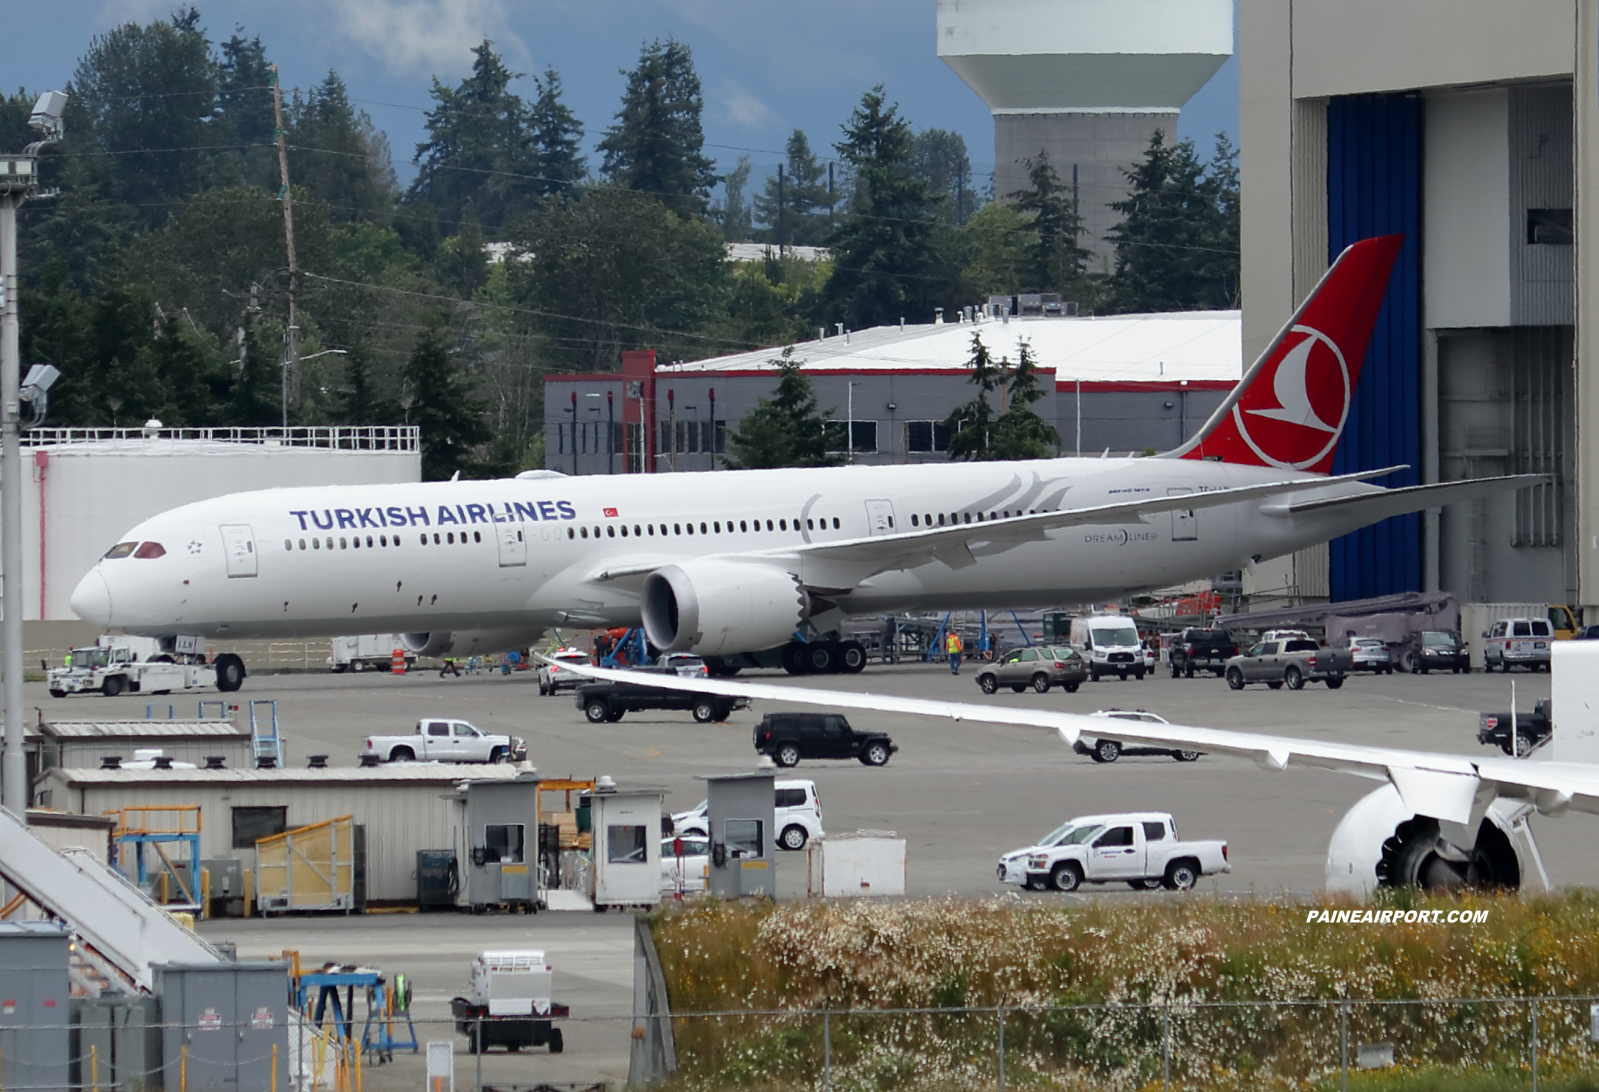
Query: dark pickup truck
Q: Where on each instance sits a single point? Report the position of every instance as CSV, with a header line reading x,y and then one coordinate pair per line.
x,y
1202,650
606,702
1532,730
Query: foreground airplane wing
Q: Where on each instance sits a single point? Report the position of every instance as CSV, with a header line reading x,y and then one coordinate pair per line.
x,y
1443,786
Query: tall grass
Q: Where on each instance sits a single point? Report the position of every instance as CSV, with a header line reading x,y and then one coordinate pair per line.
x,y
1148,977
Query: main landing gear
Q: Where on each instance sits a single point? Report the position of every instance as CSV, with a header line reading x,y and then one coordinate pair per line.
x,y
824,657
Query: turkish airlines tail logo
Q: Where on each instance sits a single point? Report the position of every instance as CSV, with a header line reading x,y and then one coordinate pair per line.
x,y
1289,411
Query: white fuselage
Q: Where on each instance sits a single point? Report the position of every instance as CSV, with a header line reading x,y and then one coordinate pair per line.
x,y
528,554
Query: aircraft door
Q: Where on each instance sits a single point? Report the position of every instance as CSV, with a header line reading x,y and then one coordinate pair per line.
x,y
1184,521
880,517
238,546
513,544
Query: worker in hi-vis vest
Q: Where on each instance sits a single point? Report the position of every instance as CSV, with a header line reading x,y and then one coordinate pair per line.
x,y
952,645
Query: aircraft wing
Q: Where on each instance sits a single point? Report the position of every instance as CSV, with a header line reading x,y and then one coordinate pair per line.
x,y
1393,502
1443,786
863,557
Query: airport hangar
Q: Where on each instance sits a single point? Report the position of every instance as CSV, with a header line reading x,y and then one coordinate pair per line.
x,y
1126,383
1472,126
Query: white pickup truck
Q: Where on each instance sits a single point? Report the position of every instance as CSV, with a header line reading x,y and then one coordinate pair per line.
x,y
441,740
1140,849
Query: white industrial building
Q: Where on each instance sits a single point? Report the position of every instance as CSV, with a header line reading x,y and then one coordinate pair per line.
x,y
85,488
1472,128
1119,382
1088,81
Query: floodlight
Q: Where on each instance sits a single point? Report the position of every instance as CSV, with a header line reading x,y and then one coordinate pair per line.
x,y
47,111
42,376
33,403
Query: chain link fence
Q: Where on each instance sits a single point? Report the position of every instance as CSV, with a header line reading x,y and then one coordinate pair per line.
x,y
1176,1044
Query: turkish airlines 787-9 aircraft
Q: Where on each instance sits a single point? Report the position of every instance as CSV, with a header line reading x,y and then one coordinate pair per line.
x,y
736,562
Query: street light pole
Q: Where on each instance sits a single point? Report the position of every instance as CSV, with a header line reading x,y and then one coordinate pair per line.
x,y
18,181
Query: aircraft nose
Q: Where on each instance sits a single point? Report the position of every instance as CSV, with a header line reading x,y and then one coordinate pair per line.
x,y
91,599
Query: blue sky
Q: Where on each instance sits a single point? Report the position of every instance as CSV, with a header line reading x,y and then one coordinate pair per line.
x,y
766,68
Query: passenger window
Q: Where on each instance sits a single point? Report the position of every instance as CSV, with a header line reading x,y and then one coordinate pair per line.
x,y
742,526
465,731
717,526
610,532
1540,629
120,550
316,544
383,540
570,533
702,529
769,526
1522,629
288,544
149,550
914,521
677,528
636,532
941,519
810,525
585,531
1115,837
449,538
435,538
344,544
438,728
1029,655
477,536
835,523
1154,832
782,525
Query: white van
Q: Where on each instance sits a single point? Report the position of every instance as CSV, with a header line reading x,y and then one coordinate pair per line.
x,y
797,813
1109,645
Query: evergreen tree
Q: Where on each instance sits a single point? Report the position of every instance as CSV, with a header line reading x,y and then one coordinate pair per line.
x,y
1000,243
183,372
1176,247
891,258
806,205
439,400
938,158
1020,433
784,430
734,213
359,402
244,111
557,138
479,147
971,425
461,264
619,270
257,395
1056,260
656,145
333,157
149,92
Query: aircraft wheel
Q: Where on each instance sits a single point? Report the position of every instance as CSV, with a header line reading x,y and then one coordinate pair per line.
x,y
821,658
851,657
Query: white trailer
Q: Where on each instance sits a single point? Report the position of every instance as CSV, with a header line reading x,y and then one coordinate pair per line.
x,y
371,651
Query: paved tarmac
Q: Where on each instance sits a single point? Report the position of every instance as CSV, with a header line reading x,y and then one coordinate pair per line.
x,y
959,793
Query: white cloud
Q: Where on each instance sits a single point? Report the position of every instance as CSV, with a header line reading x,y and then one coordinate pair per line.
x,y
433,37
742,106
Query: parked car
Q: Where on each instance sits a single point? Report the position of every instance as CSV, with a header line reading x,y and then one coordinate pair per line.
x,y
1140,849
685,863
789,737
1517,736
1202,650
553,678
1517,642
1441,650
1040,667
1292,663
797,816
1106,749
683,664
1151,657
1370,654
1586,633
607,702
1109,645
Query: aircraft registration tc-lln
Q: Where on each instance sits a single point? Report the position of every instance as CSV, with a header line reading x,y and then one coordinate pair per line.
x,y
738,562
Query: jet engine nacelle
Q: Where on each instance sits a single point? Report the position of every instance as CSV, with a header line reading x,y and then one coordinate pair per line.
x,y
1381,843
469,642
717,607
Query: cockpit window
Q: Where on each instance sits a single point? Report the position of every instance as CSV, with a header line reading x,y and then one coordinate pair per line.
x,y
121,549
148,550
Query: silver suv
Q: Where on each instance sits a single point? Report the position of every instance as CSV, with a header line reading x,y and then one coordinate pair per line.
x,y
1040,667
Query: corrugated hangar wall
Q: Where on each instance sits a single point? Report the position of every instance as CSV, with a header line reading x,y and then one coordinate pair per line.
x,y
1374,188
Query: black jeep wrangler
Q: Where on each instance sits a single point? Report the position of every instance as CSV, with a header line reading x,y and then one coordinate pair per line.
x,y
789,737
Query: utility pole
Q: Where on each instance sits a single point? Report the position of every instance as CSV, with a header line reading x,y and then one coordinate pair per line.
x,y
829,195
782,236
291,360
19,407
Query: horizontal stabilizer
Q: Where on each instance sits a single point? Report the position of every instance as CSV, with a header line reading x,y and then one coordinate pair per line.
x,y
1368,508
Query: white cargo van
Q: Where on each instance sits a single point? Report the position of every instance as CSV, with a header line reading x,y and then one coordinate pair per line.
x,y
1109,645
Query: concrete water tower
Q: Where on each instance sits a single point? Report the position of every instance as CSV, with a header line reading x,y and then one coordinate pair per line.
x,y
1088,81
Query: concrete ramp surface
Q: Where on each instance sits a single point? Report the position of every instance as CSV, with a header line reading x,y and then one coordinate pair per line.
x,y
101,908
